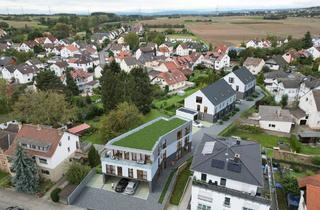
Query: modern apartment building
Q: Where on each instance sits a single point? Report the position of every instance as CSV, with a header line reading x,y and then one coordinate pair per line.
x,y
144,152
227,174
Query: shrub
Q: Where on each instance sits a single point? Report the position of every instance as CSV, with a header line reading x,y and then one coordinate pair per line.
x,y
290,184
295,144
237,109
55,195
316,160
77,172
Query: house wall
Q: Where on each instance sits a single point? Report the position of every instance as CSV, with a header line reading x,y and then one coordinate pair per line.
x,y
215,200
307,104
255,69
57,70
23,78
284,127
190,103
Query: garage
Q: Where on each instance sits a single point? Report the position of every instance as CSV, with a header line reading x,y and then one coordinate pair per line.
x,y
187,113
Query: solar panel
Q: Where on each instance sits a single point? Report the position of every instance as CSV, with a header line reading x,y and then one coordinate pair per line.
x,y
234,167
217,163
208,147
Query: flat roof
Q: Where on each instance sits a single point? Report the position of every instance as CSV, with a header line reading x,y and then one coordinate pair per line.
x,y
188,111
146,137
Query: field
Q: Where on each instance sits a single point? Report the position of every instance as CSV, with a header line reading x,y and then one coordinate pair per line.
x,y
234,30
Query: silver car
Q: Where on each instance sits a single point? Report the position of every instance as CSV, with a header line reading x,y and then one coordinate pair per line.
x,y
131,187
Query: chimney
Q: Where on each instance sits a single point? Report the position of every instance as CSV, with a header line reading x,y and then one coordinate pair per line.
x,y
237,157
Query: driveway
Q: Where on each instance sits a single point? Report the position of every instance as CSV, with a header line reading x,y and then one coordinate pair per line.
x,y
29,202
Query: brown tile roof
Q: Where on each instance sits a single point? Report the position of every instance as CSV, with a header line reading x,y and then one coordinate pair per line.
x,y
79,128
312,180
40,134
312,185
250,61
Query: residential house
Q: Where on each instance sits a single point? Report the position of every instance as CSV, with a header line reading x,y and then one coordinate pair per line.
x,y
221,49
168,45
84,81
145,51
173,80
316,41
164,51
46,40
213,102
8,72
129,63
289,87
59,68
183,49
258,44
274,118
144,153
222,61
6,61
310,104
291,55
36,62
82,61
227,174
7,135
254,65
27,46
69,51
24,73
98,71
314,52
310,191
99,38
276,63
242,81
117,48
51,149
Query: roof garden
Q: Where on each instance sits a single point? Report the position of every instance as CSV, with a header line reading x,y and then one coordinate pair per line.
x,y
146,137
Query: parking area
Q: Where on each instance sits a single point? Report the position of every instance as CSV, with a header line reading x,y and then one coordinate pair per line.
x,y
205,125
142,191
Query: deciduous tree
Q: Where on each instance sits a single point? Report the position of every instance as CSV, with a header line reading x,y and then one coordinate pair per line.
x,y
47,80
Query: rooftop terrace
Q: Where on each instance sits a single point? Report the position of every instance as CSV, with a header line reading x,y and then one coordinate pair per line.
x,y
145,138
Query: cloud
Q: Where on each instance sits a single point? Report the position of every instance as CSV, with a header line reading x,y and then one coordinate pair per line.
x,y
81,6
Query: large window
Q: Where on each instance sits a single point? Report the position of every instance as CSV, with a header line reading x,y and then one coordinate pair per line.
x,y
203,207
126,155
134,156
231,80
130,172
110,169
204,177
179,135
199,99
142,174
43,161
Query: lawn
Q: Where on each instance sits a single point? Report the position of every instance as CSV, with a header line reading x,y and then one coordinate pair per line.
x,y
146,138
264,139
181,182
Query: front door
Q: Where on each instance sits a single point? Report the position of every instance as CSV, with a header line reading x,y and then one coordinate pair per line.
x,y
119,171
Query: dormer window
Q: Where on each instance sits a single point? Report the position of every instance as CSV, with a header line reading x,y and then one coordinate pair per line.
x,y
231,80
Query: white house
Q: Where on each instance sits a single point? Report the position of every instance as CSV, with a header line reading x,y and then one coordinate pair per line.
x,y
129,63
227,174
213,102
254,65
98,71
8,72
274,118
59,68
314,52
310,104
242,81
25,73
222,61
174,80
69,51
127,156
183,49
282,87
26,46
258,44
50,148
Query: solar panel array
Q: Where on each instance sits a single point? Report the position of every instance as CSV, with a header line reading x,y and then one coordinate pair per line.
x,y
217,163
234,167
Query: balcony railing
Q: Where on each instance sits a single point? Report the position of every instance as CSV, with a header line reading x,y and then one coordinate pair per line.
x,y
137,164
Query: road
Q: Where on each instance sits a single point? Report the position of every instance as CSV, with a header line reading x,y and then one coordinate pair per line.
x,y
29,202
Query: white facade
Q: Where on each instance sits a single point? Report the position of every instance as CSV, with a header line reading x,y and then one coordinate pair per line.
x,y
315,52
222,62
57,70
308,104
284,127
182,51
237,84
255,69
24,48
6,74
23,78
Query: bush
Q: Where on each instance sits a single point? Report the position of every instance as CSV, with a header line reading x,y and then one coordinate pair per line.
x,y
55,195
295,144
316,160
237,109
77,172
290,184
251,129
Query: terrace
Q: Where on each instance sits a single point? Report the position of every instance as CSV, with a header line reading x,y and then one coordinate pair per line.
x,y
146,136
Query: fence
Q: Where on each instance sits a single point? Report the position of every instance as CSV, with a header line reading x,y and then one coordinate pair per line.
x,y
76,192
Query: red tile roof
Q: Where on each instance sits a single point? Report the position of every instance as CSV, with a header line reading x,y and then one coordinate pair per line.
x,y
79,73
172,78
39,134
312,185
71,48
78,129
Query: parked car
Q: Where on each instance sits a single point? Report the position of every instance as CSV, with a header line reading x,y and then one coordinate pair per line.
x,y
197,124
14,208
131,187
122,184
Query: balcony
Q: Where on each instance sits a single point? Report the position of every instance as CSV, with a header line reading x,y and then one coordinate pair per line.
x,y
112,160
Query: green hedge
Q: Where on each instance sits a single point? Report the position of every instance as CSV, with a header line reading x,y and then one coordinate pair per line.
x,y
55,195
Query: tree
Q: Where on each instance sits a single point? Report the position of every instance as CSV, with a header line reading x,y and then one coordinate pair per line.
x,y
38,49
49,108
284,100
307,40
94,157
125,117
290,184
141,93
4,25
77,172
295,144
260,78
26,178
4,100
55,195
34,34
72,88
47,80
210,47
61,30
132,40
232,54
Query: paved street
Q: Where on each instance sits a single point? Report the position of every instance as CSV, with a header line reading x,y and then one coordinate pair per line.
x,y
29,202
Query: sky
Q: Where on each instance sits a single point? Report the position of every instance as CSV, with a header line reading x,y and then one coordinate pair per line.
x,y
87,6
